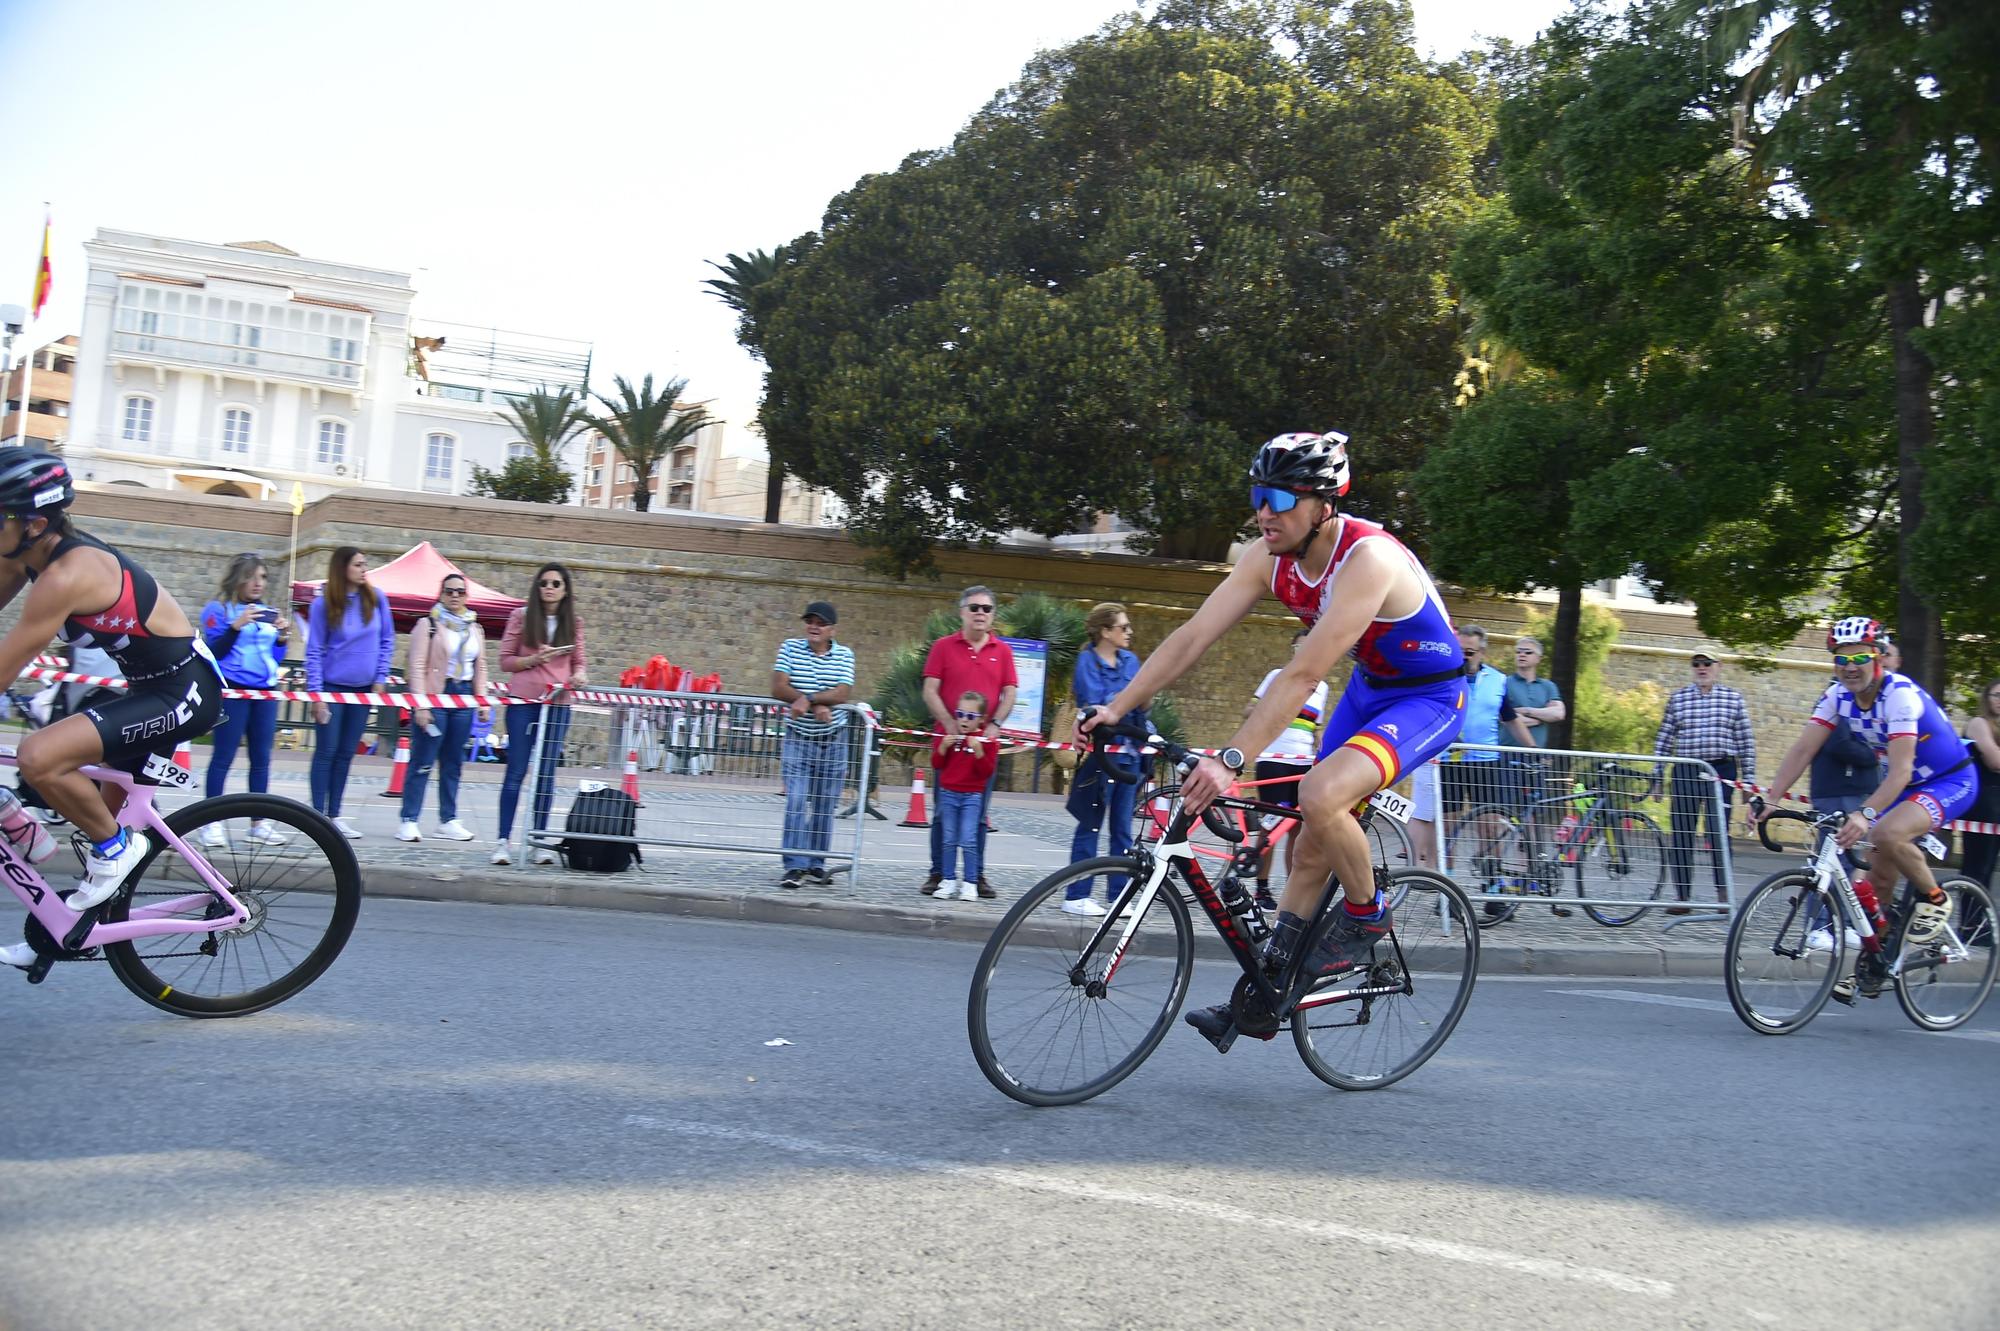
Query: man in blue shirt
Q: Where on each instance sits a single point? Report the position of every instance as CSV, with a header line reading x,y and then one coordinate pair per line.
x,y
1479,776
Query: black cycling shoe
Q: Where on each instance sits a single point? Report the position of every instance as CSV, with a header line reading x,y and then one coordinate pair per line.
x,y
1219,1028
1349,942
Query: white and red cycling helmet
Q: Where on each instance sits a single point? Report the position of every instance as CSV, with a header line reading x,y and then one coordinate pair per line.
x,y
1855,631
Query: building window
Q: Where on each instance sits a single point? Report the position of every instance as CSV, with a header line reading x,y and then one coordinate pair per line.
x,y
597,475
439,451
332,443
520,450
236,430
138,426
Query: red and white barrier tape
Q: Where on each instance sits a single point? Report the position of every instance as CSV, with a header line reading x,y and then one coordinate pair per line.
x,y
1962,825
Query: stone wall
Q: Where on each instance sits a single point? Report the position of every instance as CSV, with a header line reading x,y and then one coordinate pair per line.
x,y
716,595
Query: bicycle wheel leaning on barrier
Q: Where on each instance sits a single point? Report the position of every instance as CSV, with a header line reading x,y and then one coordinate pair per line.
x,y
303,894
1491,846
1622,855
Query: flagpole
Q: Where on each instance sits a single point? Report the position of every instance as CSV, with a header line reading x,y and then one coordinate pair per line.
x,y
292,561
39,298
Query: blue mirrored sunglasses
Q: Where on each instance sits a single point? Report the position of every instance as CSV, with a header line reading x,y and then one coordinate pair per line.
x,y
1280,501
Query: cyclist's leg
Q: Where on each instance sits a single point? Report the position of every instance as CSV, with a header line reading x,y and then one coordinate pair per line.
x,y
1915,812
50,759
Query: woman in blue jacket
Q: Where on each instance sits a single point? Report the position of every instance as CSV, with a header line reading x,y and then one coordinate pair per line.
x,y
1103,668
350,641
247,639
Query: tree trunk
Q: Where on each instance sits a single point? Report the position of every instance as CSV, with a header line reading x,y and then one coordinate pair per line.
x,y
642,494
1918,630
1562,660
774,492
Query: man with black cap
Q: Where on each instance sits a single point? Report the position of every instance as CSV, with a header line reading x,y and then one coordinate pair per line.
x,y
812,676
1705,720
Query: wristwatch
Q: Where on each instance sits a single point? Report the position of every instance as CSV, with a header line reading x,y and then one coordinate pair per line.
x,y
1232,759
1869,814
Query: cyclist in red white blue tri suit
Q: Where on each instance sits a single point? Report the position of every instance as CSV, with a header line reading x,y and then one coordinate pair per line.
x,y
1930,778
1361,593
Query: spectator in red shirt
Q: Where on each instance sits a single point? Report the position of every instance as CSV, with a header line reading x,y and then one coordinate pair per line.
x,y
971,660
964,761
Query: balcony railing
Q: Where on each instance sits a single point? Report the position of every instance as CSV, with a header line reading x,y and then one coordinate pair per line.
x,y
249,361
683,474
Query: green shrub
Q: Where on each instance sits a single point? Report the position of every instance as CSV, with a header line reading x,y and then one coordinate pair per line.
x,y
1607,720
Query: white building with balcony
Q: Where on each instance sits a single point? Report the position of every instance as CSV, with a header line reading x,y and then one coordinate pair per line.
x,y
241,368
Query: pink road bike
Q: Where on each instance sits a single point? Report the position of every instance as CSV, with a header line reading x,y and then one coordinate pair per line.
x,y
242,901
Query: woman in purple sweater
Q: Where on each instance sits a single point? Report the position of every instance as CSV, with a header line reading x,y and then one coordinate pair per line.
x,y
350,641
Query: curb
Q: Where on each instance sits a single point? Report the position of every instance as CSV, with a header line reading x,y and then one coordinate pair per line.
x,y
1497,956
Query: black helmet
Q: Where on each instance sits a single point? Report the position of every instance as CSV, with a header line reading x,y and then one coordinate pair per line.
x,y
1304,464
33,483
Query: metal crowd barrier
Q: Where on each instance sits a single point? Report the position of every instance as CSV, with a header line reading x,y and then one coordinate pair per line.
x,y
1610,832
708,773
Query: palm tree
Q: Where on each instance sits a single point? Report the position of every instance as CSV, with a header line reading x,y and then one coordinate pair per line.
x,y
645,427
742,274
547,421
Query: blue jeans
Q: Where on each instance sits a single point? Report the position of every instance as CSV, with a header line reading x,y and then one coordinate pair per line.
x,y
258,719
1092,795
446,749
523,720
961,820
813,770
333,750
937,829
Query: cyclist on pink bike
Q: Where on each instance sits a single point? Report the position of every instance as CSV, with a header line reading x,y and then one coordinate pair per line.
x,y
1359,592
90,595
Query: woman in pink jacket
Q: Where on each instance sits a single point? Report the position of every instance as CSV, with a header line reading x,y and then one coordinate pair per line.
x,y
542,653
447,655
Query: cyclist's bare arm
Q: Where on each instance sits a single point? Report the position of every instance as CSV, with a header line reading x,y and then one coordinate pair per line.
x,y
1248,583
48,603
1366,583
1797,758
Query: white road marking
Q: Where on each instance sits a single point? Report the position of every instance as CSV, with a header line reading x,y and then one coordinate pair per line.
x,y
1990,1037
1078,1189
1660,1000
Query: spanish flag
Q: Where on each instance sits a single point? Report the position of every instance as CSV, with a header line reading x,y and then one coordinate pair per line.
x,y
44,279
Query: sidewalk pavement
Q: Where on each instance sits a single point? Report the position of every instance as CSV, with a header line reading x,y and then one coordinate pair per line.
x,y
723,881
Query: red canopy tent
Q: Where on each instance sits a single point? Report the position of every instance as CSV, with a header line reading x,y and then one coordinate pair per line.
x,y
411,579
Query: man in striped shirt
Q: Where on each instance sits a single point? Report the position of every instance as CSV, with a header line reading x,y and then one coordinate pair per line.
x,y
812,676
1705,720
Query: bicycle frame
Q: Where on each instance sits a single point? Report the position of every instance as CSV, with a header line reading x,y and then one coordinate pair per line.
x,y
138,813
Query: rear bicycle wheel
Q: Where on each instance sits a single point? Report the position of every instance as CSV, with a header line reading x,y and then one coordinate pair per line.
x,y
1050,1026
303,893
1787,947
1942,983
1489,852
1358,1039
1625,857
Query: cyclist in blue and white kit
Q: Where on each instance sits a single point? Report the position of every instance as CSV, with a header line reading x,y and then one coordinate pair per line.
x,y
1359,592
1930,778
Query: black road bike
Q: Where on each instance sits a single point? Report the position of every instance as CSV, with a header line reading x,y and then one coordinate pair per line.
x,y
1064,1007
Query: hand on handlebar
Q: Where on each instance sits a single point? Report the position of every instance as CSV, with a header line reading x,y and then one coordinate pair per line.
x,y
1204,783
1092,718
1854,830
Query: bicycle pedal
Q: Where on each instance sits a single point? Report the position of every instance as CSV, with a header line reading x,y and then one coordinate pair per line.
x,y
40,970
73,940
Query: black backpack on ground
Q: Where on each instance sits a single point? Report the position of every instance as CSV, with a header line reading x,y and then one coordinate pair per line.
x,y
602,812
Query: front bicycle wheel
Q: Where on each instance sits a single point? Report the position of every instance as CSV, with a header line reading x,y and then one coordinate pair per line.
x,y
1942,983
1489,851
1371,1029
1787,946
1625,857
1389,843
292,870
1051,1025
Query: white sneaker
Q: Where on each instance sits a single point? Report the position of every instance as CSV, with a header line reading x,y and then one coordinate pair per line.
x,y
264,834
214,837
1821,940
543,857
108,875
500,855
947,890
1083,906
20,954
1927,921
968,889
347,829
409,831
453,831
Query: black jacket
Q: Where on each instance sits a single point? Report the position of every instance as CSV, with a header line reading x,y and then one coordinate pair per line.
x,y
1845,765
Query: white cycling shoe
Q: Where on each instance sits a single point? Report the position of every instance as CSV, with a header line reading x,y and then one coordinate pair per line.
x,y
1927,921
108,875
20,954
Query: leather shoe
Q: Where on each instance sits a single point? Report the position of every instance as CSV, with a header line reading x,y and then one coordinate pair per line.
x,y
986,888
932,884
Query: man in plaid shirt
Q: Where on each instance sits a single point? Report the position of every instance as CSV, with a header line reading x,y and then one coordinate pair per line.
x,y
1709,721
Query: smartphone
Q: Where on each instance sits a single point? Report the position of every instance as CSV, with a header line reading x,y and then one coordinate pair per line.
x,y
268,615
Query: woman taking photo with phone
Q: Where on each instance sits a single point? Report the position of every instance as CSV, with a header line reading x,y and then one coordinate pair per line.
x,y
349,644
447,655
248,640
542,653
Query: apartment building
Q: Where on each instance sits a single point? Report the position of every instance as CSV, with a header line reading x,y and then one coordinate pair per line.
x,y
42,386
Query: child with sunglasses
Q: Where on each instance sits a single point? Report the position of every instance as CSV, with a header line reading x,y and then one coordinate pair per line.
x,y
964,761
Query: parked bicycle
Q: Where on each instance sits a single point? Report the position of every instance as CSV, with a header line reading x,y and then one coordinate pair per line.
x,y
1585,836
1802,931
1062,1008
201,930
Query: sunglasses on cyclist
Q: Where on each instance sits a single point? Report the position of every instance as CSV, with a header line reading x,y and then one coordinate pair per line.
x,y
970,716
1854,658
1279,501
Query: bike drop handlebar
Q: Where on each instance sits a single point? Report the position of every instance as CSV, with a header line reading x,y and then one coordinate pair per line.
x,y
1182,757
1816,821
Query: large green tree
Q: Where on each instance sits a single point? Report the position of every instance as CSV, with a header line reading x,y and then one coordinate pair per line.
x,y
644,426
1162,244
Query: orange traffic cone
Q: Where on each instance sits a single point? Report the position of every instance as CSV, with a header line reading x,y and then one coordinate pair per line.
x,y
916,816
184,756
632,774
396,773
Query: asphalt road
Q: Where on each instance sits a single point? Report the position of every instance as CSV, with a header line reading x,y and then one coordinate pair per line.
x,y
490,1115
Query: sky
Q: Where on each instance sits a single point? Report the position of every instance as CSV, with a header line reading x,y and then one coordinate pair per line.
x,y
564,169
